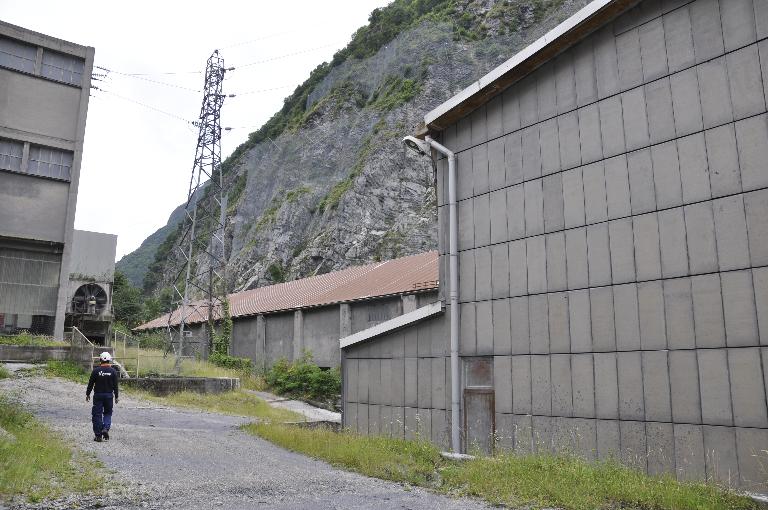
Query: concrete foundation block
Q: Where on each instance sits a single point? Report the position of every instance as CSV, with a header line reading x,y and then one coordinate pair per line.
x,y
689,452
542,434
523,431
750,447
660,440
721,460
633,445
608,440
541,386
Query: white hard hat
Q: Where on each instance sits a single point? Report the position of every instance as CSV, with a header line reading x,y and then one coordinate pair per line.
x,y
105,357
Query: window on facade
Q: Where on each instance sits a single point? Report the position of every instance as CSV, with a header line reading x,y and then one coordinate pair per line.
x,y
61,67
17,55
49,162
10,155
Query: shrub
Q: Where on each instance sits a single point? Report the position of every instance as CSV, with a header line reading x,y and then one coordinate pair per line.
x,y
4,372
304,379
226,361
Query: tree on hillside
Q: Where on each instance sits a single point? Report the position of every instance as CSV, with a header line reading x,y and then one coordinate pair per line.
x,y
126,301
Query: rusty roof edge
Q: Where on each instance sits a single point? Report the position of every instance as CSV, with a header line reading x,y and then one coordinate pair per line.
x,y
564,35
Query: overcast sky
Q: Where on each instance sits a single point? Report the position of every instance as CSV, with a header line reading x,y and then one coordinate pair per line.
x,y
137,161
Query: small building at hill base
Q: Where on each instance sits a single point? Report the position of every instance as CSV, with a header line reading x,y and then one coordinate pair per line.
x,y
612,184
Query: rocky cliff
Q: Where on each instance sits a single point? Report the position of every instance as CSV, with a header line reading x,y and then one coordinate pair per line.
x,y
326,182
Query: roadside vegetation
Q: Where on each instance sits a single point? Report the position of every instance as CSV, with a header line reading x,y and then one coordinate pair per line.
x,y
4,372
27,339
535,481
303,379
37,463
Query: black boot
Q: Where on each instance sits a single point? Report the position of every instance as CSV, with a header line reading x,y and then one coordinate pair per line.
x,y
105,435
97,438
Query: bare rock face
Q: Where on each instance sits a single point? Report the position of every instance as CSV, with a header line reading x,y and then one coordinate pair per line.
x,y
338,188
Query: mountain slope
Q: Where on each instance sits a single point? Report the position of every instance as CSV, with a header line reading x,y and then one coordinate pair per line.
x,y
326,182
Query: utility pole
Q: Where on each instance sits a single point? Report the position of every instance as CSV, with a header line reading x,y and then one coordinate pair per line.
x,y
201,246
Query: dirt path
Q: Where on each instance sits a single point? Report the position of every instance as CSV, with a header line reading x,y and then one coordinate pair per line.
x,y
173,458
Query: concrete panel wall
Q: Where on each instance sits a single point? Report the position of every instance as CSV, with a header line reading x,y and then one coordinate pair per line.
x,y
33,208
369,313
279,337
634,319
321,335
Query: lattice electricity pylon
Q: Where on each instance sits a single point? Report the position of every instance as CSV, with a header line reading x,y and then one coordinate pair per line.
x,y
202,243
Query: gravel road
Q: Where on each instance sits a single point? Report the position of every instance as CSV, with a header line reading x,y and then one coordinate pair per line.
x,y
175,458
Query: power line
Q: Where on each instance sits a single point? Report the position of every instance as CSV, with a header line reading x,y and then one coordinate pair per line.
x,y
136,77
287,55
150,107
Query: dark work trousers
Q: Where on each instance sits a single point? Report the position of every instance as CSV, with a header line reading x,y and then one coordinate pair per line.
x,y
101,412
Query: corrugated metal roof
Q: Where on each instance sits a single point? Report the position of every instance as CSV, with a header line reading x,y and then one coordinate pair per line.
x,y
416,273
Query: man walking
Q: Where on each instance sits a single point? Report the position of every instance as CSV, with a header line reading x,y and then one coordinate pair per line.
x,y
104,383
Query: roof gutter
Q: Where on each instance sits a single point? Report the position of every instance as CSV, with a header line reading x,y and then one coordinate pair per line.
x,y
566,34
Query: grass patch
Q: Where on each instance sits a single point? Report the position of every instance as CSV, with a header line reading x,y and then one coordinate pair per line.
x,y
237,403
67,370
4,372
37,463
27,339
512,480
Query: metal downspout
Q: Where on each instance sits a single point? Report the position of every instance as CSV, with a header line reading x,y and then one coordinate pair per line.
x,y
453,279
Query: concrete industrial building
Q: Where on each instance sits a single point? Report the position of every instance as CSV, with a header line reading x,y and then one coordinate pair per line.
x,y
44,91
281,321
612,183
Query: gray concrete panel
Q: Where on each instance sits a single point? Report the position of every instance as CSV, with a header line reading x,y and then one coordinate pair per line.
x,y
518,271
510,109
500,270
385,391
678,36
467,275
584,66
700,235
467,334
549,146
761,19
707,31
559,327
750,448
536,263
580,321
660,438
674,253
350,416
630,374
538,314
424,381
556,273
483,273
523,434
589,134
686,102
363,382
658,103
694,171
612,126
484,328
746,82
576,258
521,384
602,319
653,50
515,212
715,92
720,454
756,208
534,208
678,306
666,175
656,389
731,232
374,381
479,125
723,156
598,254
635,120
626,310
573,198
553,203
629,59
481,216
650,299
617,187
633,444
684,383
606,386
498,214
412,422
689,452
531,152
747,388
738,19
565,82
513,158
497,172
595,202
752,142
440,429
411,381
708,311
480,169
760,280
541,386
464,185
502,383
493,115
350,376
606,63
568,138
504,435
641,187
622,250
608,440
465,211
583,377
714,386
529,103
739,309
520,331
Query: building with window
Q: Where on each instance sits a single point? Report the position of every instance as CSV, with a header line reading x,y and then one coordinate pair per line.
x,y
612,192
44,91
